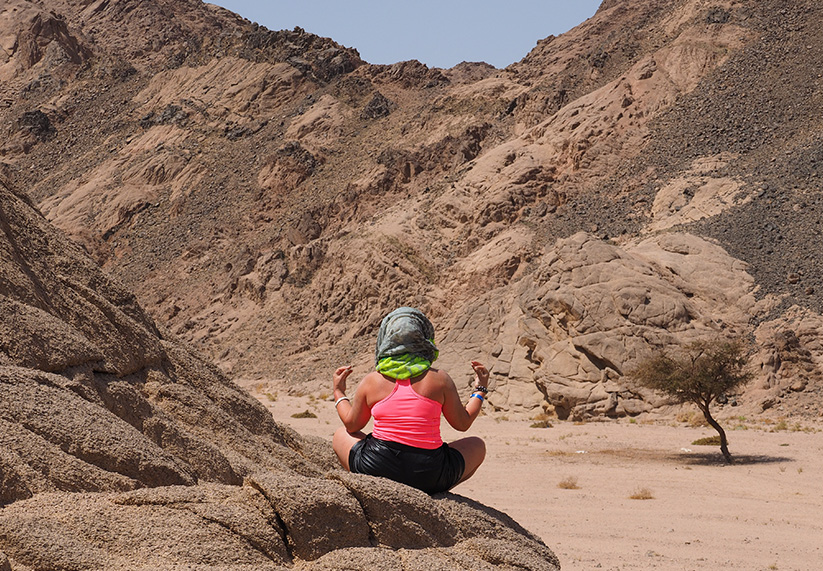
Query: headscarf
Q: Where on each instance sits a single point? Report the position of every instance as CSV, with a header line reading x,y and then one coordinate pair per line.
x,y
405,344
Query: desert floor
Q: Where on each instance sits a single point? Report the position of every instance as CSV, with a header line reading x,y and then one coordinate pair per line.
x,y
572,484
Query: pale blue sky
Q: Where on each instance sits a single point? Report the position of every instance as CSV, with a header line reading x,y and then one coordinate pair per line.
x,y
438,33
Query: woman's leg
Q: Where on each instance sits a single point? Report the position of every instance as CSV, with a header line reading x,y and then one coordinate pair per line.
x,y
473,450
343,442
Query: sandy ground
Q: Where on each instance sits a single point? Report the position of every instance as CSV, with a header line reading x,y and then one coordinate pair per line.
x,y
765,512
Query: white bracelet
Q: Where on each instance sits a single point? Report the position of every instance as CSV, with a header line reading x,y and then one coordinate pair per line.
x,y
337,402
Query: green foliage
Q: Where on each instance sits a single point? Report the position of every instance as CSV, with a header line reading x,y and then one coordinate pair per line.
x,y
705,371
707,441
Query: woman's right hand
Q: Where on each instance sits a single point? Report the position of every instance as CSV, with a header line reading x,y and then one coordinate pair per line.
x,y
339,379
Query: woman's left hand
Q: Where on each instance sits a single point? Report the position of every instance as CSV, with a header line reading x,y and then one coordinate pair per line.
x,y
481,374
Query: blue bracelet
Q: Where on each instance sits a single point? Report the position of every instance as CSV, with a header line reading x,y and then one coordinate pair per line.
x,y
478,395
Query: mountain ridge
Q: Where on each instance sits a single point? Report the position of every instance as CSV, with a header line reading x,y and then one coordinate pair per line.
x,y
284,211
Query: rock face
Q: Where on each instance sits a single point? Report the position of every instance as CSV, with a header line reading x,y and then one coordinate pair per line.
x,y
269,196
120,448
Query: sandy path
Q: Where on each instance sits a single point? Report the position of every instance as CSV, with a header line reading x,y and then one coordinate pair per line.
x,y
764,512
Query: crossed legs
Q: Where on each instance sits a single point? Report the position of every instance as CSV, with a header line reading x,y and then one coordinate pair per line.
x,y
343,442
472,448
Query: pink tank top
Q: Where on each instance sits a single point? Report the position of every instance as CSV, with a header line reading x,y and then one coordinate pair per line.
x,y
408,418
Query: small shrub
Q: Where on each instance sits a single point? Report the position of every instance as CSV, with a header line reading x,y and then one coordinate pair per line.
x,y
304,414
691,418
541,424
568,483
708,441
642,494
782,425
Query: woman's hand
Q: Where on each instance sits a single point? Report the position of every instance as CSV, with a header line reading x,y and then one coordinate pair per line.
x,y
339,379
481,374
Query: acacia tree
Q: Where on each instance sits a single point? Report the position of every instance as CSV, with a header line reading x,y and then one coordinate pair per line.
x,y
703,372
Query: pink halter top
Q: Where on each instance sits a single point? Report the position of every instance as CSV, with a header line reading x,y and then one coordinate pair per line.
x,y
408,418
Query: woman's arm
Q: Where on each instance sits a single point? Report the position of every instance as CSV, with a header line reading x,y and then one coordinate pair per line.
x,y
461,417
355,411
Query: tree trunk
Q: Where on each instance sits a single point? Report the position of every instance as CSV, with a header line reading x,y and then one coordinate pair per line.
x,y
724,444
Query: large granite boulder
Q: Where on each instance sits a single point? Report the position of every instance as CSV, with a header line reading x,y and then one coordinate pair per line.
x,y
591,309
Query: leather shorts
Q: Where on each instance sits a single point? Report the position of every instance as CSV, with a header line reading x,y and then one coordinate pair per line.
x,y
432,471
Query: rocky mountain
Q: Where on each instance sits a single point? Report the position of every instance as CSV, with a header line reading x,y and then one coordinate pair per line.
x,y
650,177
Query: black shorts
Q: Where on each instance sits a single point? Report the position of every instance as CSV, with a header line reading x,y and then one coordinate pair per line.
x,y
432,471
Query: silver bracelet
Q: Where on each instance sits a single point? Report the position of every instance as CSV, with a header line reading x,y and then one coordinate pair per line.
x,y
337,402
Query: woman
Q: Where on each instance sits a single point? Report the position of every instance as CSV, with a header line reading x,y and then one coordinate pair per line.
x,y
406,396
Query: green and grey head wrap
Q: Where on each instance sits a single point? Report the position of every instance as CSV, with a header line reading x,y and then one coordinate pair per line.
x,y
405,344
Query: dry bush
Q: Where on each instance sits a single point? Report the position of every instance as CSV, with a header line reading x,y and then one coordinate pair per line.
x,y
642,494
558,453
692,418
568,483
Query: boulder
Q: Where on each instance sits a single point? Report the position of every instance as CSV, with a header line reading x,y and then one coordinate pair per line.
x,y
591,309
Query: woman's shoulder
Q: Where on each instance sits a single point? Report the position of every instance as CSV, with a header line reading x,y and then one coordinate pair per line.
x,y
439,377
372,378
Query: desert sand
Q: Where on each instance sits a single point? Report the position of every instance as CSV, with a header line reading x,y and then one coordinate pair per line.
x,y
761,513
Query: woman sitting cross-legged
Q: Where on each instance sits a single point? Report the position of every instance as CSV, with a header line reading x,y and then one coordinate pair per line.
x,y
406,397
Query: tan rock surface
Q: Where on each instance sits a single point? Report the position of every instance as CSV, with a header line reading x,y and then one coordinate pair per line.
x,y
591,309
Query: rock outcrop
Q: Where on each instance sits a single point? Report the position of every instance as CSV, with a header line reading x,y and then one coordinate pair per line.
x,y
591,309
